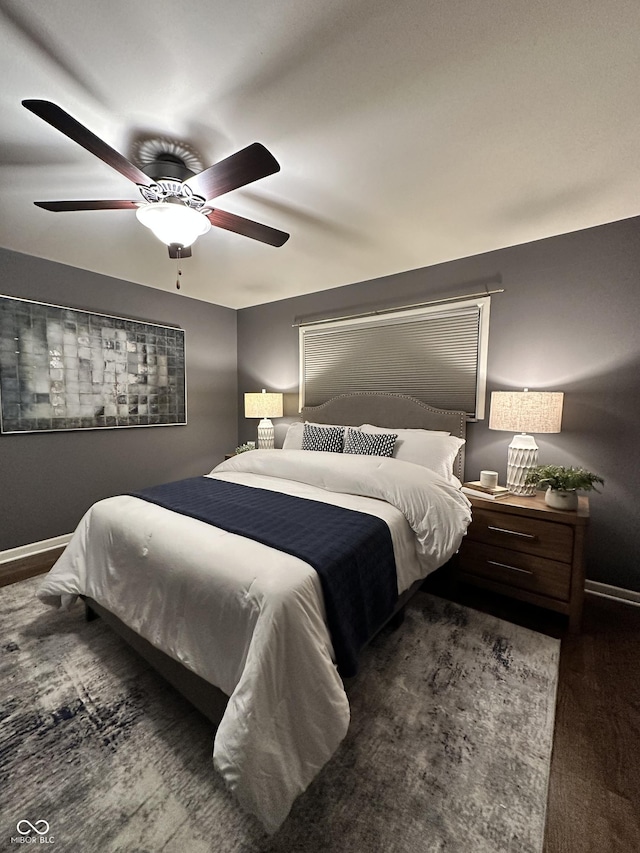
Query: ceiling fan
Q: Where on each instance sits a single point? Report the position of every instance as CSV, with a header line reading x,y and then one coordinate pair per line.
x,y
176,203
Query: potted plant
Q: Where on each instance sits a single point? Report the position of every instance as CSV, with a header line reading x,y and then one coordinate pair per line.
x,y
242,448
562,484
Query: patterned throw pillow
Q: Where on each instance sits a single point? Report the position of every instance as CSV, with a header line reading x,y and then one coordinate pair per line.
x,y
368,444
329,439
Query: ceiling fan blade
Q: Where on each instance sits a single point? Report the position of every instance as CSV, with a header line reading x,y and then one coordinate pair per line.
x,y
62,121
243,167
101,204
247,227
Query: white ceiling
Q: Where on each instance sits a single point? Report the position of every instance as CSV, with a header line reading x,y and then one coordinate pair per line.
x,y
409,132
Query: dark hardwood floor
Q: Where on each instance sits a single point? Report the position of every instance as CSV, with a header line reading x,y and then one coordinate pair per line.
x,y
28,567
594,787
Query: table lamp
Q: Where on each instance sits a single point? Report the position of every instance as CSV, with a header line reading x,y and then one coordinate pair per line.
x,y
264,406
523,412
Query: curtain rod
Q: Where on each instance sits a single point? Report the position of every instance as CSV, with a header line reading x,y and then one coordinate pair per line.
x,y
401,308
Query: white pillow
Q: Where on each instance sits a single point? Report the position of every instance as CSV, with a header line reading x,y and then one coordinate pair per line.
x,y
372,428
293,438
429,448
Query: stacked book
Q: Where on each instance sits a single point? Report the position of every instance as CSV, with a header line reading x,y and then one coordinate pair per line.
x,y
475,489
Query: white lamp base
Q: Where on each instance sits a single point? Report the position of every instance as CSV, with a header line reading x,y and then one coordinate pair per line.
x,y
266,435
523,455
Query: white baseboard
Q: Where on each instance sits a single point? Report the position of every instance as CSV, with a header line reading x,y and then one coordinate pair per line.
x,y
34,548
627,596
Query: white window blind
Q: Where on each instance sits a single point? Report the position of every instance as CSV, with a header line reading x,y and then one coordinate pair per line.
x,y
436,354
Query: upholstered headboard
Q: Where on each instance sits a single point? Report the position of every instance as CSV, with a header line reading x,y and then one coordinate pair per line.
x,y
389,410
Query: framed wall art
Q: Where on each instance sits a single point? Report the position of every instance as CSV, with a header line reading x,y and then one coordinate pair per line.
x,y
66,369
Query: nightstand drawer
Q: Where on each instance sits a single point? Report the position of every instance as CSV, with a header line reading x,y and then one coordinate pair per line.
x,y
519,533
515,569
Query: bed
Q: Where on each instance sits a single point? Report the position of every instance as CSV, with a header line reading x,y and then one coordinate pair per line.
x,y
241,627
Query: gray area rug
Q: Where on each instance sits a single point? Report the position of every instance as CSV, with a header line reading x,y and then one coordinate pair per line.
x,y
448,750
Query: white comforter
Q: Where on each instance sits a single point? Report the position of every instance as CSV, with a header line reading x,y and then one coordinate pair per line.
x,y
248,618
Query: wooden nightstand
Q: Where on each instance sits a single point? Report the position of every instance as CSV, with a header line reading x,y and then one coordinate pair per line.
x,y
520,547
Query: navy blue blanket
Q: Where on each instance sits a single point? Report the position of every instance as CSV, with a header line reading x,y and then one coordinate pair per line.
x,y
351,551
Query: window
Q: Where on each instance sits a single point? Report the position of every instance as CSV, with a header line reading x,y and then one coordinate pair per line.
x,y
436,353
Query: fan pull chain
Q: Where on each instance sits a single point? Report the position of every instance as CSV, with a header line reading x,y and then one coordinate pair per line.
x,y
179,271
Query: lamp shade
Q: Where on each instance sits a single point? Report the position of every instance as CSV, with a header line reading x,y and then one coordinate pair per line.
x,y
526,411
263,405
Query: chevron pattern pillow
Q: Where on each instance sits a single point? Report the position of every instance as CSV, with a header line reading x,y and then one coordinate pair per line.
x,y
369,444
329,439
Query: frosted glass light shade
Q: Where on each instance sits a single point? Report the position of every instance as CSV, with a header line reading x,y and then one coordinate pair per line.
x,y
173,223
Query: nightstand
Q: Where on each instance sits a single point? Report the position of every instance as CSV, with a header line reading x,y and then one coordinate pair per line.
x,y
520,547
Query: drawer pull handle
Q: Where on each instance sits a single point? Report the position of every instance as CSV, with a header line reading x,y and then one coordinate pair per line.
x,y
512,532
511,568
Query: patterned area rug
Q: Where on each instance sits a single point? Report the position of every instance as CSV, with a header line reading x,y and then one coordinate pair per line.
x,y
448,750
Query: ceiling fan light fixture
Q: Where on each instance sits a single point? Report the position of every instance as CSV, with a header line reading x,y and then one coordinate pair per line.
x,y
176,191
173,222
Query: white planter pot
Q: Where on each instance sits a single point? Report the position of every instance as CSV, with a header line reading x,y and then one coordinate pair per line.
x,y
561,498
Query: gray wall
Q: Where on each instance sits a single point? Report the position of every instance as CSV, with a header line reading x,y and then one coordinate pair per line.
x,y
568,321
47,481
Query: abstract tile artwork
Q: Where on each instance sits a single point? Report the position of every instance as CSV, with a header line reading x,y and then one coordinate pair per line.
x,y
65,369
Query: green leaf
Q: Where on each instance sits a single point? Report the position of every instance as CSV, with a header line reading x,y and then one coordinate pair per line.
x,y
559,477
